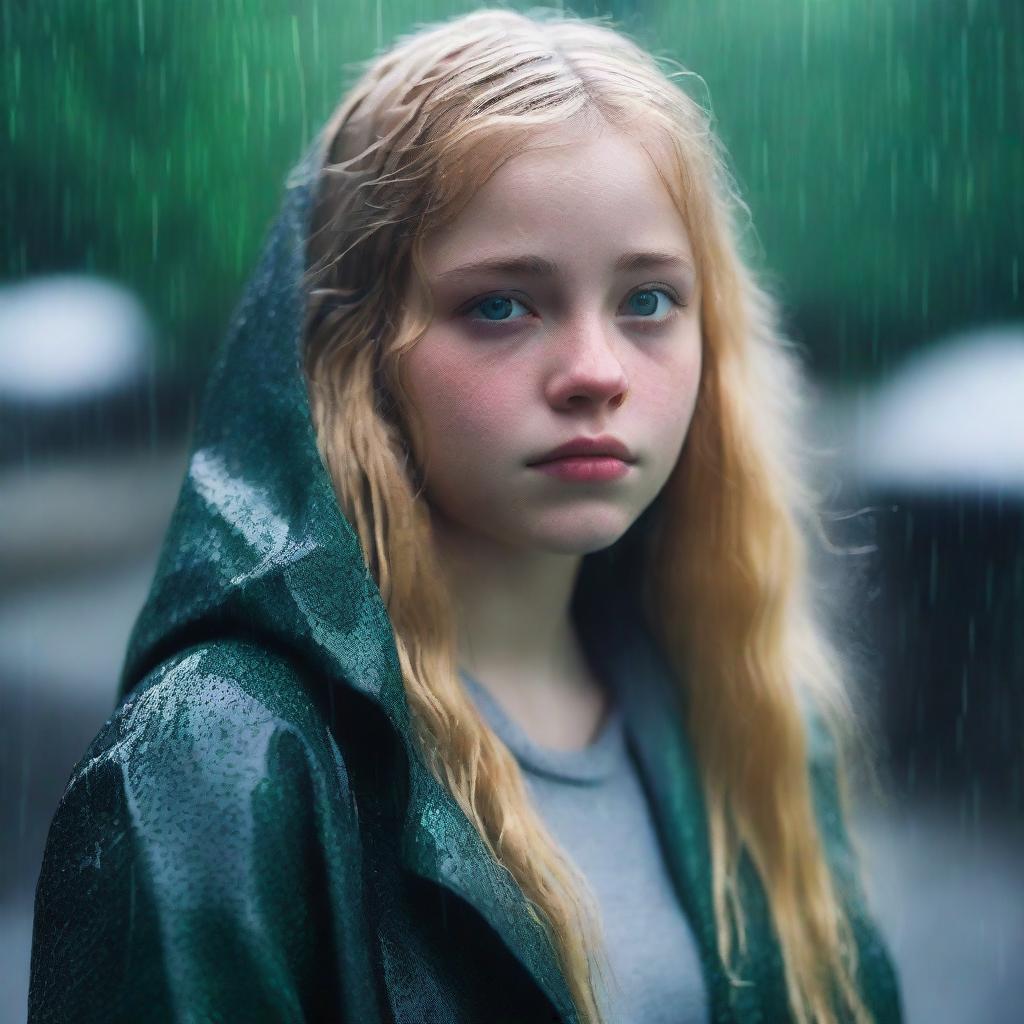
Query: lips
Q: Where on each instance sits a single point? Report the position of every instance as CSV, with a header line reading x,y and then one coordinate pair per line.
x,y
594,447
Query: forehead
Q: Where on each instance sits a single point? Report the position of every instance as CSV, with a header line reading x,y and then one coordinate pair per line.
x,y
570,191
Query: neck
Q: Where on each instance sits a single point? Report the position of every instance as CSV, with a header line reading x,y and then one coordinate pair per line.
x,y
514,623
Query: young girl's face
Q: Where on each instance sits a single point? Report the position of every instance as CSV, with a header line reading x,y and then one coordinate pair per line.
x,y
518,361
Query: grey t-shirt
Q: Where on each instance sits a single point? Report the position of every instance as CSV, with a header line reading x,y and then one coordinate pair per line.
x,y
594,804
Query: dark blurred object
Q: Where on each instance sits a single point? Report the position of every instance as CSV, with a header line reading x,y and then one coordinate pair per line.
x,y
939,449
951,622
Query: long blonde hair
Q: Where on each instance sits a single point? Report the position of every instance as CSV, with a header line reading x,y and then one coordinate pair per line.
x,y
726,581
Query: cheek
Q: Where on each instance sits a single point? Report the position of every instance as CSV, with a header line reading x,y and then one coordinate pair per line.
x,y
690,374
465,409
673,383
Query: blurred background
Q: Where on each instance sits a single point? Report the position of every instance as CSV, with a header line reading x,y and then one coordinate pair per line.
x,y
879,146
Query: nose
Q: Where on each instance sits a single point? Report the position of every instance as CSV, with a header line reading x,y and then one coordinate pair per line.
x,y
586,367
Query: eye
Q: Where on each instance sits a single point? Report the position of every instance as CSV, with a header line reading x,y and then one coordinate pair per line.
x,y
497,306
649,304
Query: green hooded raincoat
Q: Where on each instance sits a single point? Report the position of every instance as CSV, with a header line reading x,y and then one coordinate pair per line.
x,y
252,836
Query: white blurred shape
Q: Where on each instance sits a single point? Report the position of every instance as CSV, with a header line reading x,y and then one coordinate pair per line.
x,y
953,416
67,336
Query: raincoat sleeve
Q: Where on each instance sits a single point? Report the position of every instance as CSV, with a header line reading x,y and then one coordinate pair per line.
x,y
185,876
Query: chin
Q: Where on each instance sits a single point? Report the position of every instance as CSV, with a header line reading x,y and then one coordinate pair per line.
x,y
581,537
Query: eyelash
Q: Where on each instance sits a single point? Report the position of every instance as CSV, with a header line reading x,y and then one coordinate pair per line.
x,y
664,289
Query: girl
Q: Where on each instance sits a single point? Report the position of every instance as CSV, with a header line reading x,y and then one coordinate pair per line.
x,y
479,679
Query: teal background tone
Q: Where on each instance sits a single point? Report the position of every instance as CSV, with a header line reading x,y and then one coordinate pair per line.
x,y
877,142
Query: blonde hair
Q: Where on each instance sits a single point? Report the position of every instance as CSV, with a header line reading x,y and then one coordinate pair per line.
x,y
726,576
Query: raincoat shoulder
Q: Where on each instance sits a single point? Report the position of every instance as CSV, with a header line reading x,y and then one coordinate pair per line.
x,y
196,853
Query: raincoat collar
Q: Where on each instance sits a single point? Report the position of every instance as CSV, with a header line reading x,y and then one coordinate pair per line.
x,y
257,546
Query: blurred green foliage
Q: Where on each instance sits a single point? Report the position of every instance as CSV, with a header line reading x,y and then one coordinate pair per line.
x,y
877,142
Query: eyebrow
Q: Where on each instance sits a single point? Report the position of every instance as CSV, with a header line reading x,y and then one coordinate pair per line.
x,y
539,266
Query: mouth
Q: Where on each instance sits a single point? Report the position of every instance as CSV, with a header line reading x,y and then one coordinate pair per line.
x,y
604,447
584,468
580,459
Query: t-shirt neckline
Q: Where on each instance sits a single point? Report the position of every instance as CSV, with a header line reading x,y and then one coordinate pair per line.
x,y
592,764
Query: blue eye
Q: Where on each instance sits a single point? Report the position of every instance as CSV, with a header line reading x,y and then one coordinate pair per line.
x,y
498,304
648,305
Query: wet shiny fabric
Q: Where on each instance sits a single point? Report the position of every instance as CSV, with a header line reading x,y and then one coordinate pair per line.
x,y
252,836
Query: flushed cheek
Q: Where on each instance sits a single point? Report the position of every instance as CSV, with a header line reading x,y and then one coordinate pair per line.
x,y
475,442
668,404
669,393
470,418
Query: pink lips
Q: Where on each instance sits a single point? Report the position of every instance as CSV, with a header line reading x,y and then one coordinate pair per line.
x,y
593,448
584,468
